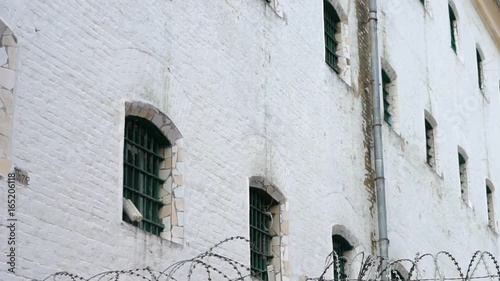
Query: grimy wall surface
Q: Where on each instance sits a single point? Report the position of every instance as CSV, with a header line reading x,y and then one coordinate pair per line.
x,y
246,84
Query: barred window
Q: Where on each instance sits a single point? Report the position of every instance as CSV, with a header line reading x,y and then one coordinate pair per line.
x,y
489,202
341,247
480,75
396,276
453,28
331,22
462,166
142,157
260,232
429,144
386,97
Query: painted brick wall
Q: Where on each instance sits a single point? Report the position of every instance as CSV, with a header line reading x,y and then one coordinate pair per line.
x,y
251,94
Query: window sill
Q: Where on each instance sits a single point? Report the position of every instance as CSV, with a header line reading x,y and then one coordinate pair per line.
x,y
467,205
392,130
485,96
337,73
457,54
141,234
276,7
434,171
492,230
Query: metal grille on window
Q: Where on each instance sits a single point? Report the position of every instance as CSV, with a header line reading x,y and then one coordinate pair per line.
x,y
480,78
142,157
260,232
489,201
340,246
453,28
429,143
463,176
396,276
331,21
385,90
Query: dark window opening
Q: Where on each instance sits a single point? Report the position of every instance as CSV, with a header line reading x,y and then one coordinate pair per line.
x,y
141,161
480,77
453,28
331,22
462,164
489,201
396,276
341,247
260,232
429,144
386,98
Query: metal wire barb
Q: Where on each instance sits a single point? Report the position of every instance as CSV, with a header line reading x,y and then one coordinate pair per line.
x,y
211,265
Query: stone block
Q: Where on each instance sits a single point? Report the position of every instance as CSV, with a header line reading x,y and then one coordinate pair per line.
x,y
7,78
179,180
4,59
165,211
177,232
180,218
166,234
179,192
9,40
4,166
164,173
179,204
180,154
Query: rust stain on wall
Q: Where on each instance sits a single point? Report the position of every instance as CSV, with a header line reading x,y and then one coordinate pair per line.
x,y
365,88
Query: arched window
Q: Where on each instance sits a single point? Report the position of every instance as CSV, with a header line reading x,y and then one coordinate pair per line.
x,y
340,246
267,230
386,81
141,165
490,204
398,272
332,28
8,65
453,28
462,169
396,275
389,94
480,74
430,142
261,231
152,177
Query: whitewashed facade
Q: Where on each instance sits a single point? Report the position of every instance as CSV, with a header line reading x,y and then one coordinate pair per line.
x,y
249,97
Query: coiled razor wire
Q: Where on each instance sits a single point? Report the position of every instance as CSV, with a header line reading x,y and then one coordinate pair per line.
x,y
211,265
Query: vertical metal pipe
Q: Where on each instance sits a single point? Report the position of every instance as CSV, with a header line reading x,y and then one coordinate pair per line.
x,y
377,132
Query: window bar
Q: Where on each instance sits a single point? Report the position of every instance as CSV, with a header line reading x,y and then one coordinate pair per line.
x,y
453,27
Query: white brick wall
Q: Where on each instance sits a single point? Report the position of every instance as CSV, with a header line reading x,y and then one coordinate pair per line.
x,y
252,96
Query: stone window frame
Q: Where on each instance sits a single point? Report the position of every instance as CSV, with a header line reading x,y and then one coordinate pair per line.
x,y
343,50
342,231
480,69
280,248
456,30
463,175
490,203
8,69
392,88
397,267
431,140
427,6
171,170
277,7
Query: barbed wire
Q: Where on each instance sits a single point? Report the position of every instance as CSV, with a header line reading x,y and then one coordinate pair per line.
x,y
211,265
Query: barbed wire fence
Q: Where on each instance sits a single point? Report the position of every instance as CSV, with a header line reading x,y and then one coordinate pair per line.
x,y
211,265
